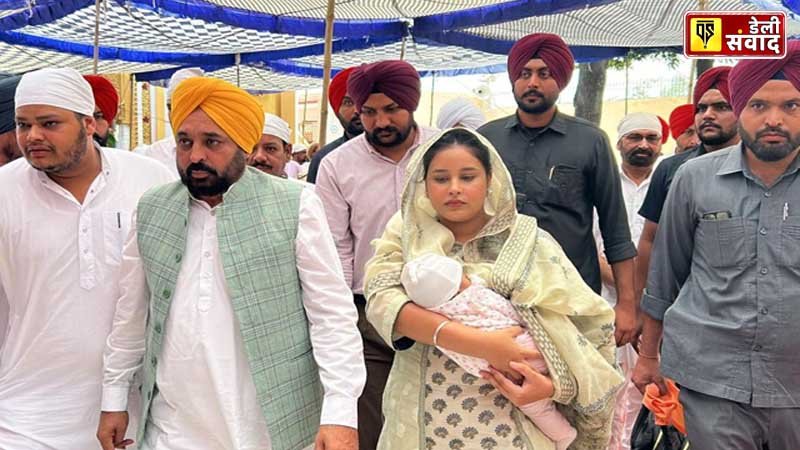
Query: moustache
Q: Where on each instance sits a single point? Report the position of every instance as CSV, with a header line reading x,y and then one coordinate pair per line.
x,y
770,130
641,151
200,167
378,131
709,124
532,93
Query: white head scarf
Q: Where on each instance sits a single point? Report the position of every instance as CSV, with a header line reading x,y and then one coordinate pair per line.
x,y
460,111
275,126
181,75
639,121
63,88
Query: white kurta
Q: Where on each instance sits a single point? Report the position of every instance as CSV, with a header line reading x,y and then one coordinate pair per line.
x,y
206,396
59,269
162,151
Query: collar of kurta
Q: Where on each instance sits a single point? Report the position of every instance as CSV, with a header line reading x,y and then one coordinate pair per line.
x,y
557,124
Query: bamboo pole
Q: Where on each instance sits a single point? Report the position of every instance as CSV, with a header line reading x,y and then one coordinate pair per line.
x,y
96,35
326,73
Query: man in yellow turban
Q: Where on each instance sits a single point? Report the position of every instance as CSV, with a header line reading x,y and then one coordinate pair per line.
x,y
234,302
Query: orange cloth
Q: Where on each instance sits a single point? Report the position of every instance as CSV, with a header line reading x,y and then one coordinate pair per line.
x,y
235,111
667,410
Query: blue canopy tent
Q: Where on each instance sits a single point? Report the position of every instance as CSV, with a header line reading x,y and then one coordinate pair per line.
x,y
279,45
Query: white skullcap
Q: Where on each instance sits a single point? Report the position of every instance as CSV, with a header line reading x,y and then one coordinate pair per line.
x,y
181,75
431,280
297,148
460,111
63,88
639,121
275,126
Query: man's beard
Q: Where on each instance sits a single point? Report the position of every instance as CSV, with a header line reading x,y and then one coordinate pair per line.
x,y
543,105
718,139
215,184
102,141
354,127
640,157
398,138
770,152
74,155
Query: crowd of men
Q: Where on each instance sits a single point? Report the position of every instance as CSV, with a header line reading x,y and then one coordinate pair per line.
x,y
194,294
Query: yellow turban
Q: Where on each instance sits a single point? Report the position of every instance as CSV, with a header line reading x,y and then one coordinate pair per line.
x,y
235,111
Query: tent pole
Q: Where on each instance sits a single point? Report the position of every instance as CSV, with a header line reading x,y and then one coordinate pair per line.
x,y
132,109
403,49
238,68
627,63
326,74
433,88
96,35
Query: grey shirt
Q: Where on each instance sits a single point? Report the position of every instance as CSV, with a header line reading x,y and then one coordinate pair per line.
x,y
725,280
561,172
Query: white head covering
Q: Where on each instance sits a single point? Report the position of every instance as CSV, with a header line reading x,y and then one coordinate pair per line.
x,y
460,111
431,280
275,126
181,75
63,88
639,121
297,148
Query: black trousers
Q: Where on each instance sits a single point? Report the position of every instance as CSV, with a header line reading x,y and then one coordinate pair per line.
x,y
378,358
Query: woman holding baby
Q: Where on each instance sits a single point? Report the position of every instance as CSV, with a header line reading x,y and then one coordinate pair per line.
x,y
491,322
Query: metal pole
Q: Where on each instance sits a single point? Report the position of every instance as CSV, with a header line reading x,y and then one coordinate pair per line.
x,y
403,49
96,35
326,73
238,67
702,5
433,88
627,63
132,108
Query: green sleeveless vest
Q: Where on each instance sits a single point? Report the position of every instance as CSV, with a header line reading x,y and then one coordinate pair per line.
x,y
256,230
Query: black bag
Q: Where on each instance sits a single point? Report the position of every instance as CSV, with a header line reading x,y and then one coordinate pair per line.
x,y
647,435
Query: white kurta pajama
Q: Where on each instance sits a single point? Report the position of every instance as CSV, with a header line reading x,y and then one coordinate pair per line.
x,y
206,396
59,270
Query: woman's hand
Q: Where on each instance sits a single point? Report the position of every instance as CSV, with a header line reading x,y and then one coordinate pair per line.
x,y
500,348
535,386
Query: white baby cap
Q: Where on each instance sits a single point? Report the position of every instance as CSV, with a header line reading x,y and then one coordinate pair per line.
x,y
431,280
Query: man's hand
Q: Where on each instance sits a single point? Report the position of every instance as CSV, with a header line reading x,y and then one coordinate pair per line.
x,y
335,437
111,430
626,325
647,371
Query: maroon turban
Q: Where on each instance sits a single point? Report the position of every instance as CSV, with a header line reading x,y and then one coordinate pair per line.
x,y
105,96
750,74
550,48
714,78
396,79
338,88
680,119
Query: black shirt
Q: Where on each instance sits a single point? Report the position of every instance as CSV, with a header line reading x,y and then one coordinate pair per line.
x,y
661,180
313,166
561,173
